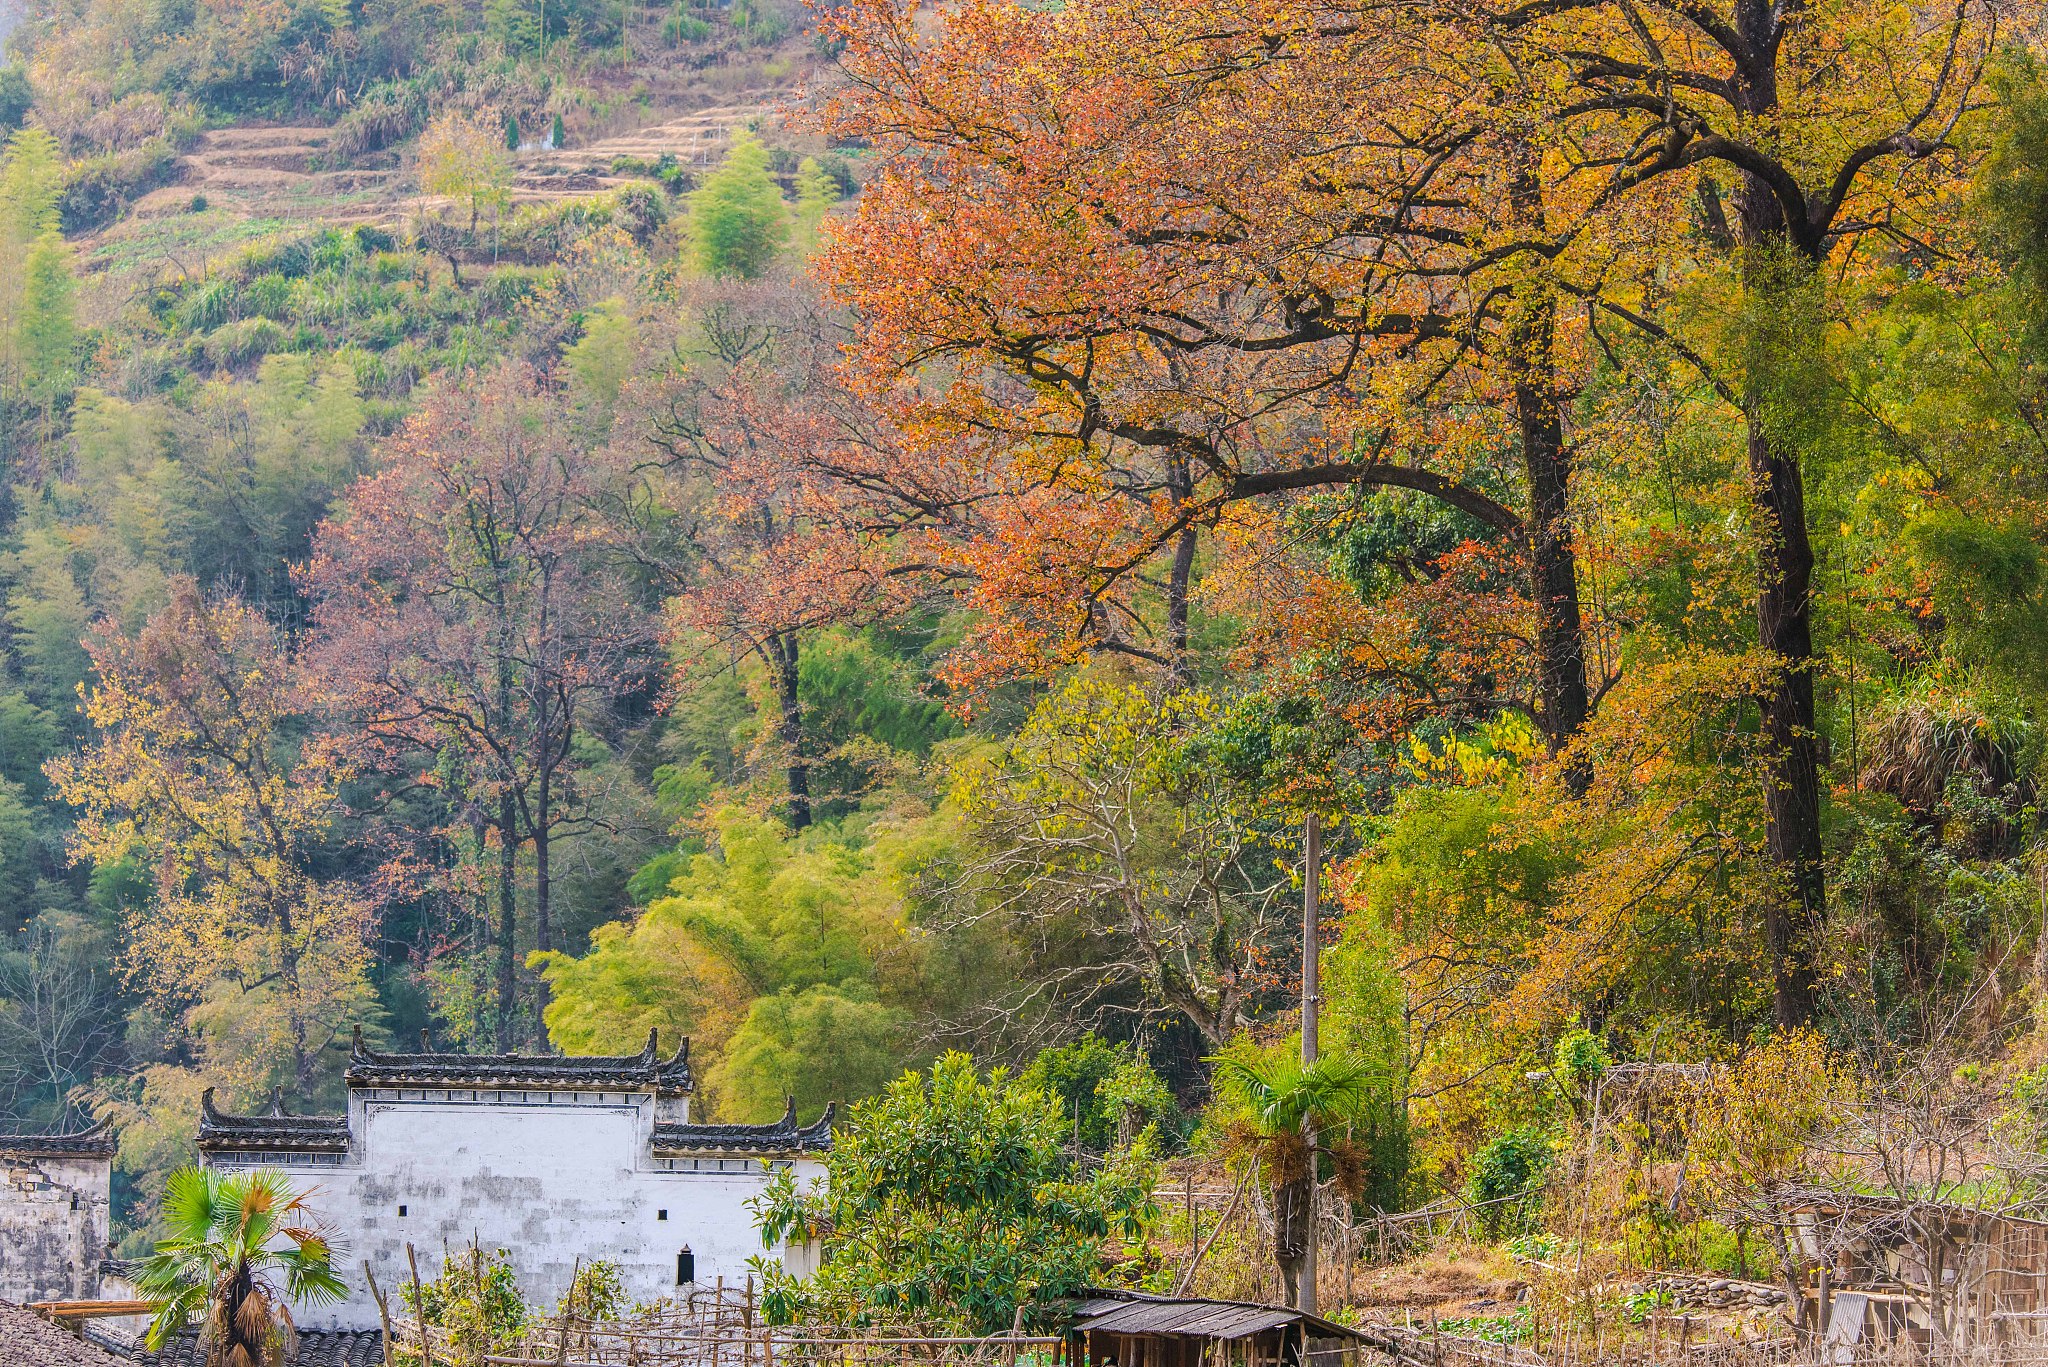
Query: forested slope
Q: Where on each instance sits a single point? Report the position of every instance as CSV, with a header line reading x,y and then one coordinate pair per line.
x,y
846,538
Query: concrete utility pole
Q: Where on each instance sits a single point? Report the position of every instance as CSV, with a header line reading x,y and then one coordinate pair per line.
x,y
1311,1011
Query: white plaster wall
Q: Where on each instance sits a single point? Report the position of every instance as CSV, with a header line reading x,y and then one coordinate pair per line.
x,y
53,1226
552,1184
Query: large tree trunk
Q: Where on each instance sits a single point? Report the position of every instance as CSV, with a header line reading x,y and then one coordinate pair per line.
x,y
1564,699
543,824
1178,581
783,655
1784,602
1291,1227
1784,625
543,882
508,903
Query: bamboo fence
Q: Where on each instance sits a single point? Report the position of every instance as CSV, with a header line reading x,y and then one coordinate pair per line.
x,y
717,1326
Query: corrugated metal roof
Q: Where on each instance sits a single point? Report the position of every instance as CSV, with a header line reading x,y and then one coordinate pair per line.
x,y
1139,1314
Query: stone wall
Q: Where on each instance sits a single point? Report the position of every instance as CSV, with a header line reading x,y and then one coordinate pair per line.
x,y
54,1215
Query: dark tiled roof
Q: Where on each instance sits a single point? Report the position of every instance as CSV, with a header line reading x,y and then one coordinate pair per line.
x,y
643,1071
783,1136
342,1348
219,1131
97,1142
27,1338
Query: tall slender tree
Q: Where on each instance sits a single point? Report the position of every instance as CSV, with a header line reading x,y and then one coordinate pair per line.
x,y
469,616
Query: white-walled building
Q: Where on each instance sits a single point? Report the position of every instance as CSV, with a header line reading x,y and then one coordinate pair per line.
x,y
55,1202
554,1159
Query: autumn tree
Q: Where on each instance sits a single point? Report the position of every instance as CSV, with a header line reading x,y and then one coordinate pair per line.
x,y
1135,879
1164,287
192,772
469,617
758,549
1840,135
461,160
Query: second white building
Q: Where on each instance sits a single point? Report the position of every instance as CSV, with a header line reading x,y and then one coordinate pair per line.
x,y
557,1160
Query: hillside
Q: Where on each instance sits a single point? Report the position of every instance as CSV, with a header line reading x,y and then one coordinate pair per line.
x,y
1122,531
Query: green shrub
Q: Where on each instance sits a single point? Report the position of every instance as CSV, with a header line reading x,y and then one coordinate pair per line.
x,y
291,258
597,1293
245,340
475,1299
384,328
507,288
388,267
1581,1058
681,28
206,305
97,189
1510,1165
268,295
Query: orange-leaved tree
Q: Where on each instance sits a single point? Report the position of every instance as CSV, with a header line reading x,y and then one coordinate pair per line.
x,y
1156,262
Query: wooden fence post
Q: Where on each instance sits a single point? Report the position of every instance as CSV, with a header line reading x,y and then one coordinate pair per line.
x,y
419,1305
568,1309
383,1312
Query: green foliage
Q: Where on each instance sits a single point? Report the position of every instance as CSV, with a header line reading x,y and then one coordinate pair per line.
x,y
603,358
1282,1093
1991,585
766,951
48,327
822,1044
738,223
951,1201
596,1293
1104,821
1580,1057
816,193
2013,185
1108,1092
16,97
239,1244
1508,1171
475,1301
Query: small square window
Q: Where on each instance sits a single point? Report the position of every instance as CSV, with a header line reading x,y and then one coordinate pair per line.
x,y
401,1212
661,1215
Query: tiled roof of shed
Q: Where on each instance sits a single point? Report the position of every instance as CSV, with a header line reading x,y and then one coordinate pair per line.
x,y
219,1131
643,1071
95,1142
782,1136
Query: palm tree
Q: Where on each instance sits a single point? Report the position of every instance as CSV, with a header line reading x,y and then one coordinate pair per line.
x,y
1291,1104
233,1237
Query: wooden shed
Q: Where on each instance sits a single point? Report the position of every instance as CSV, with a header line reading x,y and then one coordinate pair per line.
x,y
1931,1273
1133,1329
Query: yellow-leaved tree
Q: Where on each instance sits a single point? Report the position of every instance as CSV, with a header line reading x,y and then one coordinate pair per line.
x,y
463,161
193,774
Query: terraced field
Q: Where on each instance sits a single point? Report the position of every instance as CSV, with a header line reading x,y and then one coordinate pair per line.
x,y
252,180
